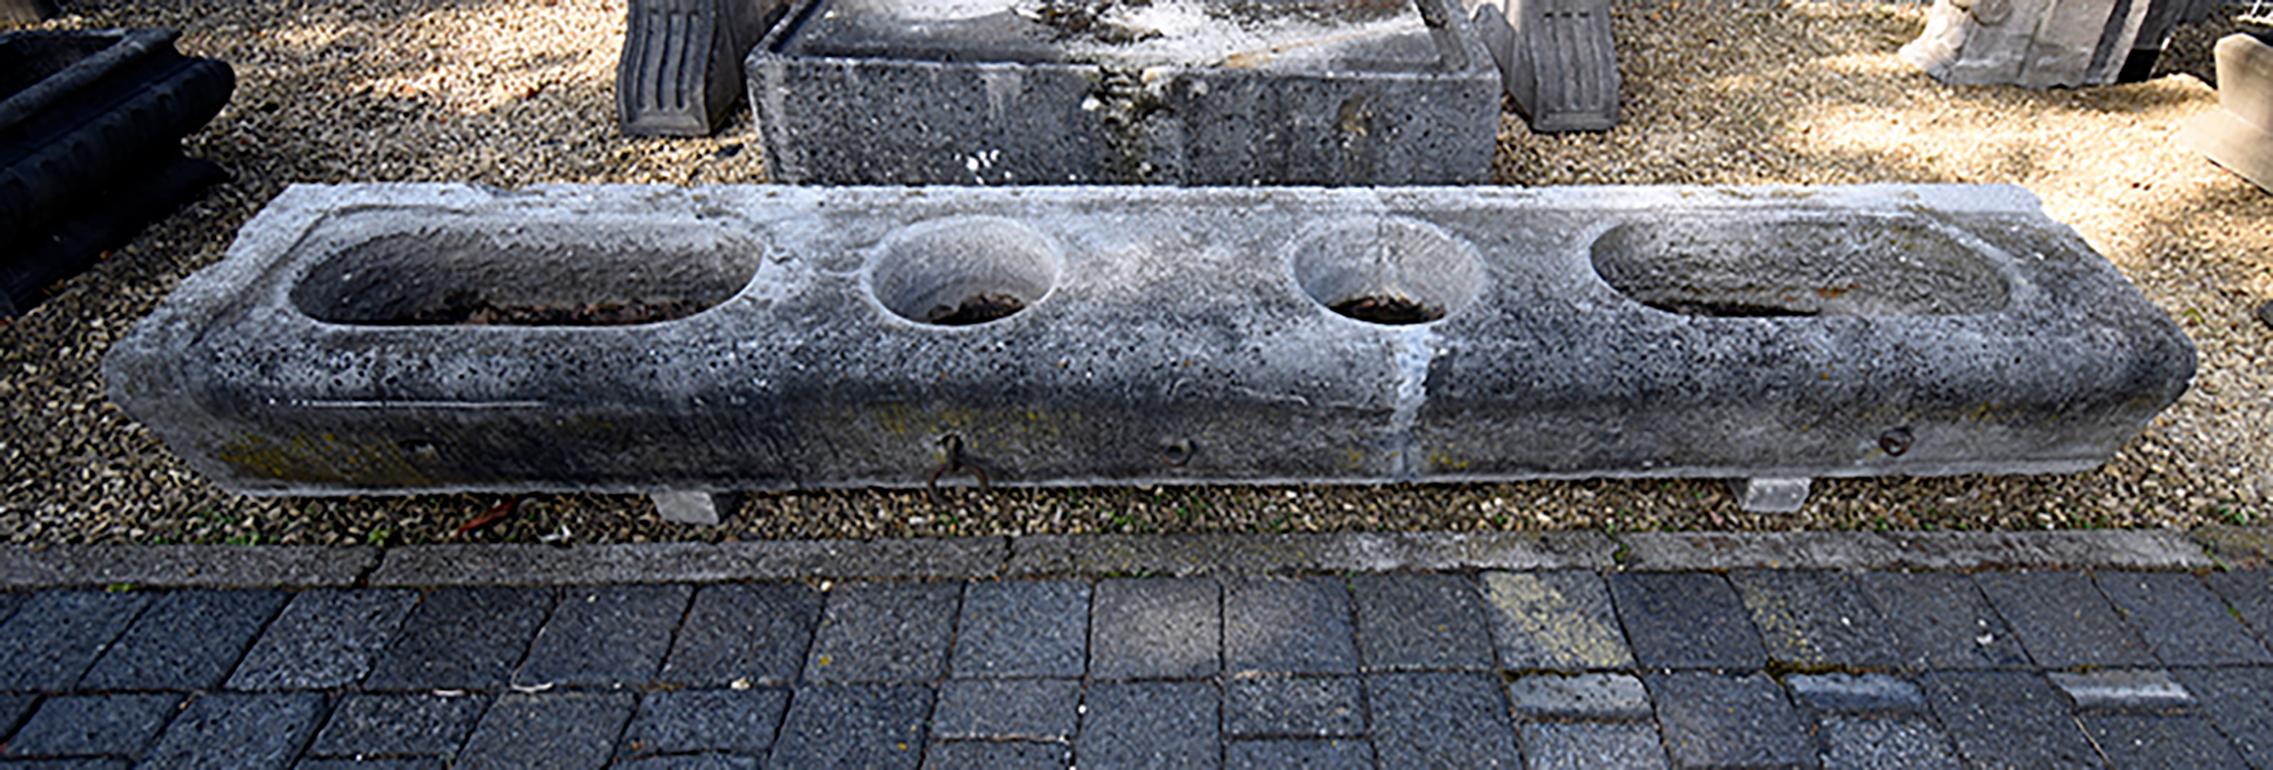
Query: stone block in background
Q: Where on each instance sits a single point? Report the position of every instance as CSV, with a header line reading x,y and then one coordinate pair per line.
x,y
1193,92
2032,43
1556,60
91,124
27,11
2238,135
681,68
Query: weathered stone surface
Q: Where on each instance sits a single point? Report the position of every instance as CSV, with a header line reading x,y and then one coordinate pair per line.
x,y
1686,620
289,332
681,67
2240,702
750,633
324,638
884,632
689,721
1851,743
1856,693
1028,709
93,725
1425,621
364,724
1815,620
1440,720
2239,547
2250,594
1156,628
2007,719
1583,696
2145,740
1280,625
1344,552
553,730
238,731
1556,60
1722,720
1375,94
2070,549
462,638
854,726
1308,707
1022,628
1554,620
186,640
2063,620
1943,621
610,636
515,565
1672,551
183,566
2182,621
56,635
1319,754
2033,43
1583,746
2239,134
2122,689
998,755
1149,725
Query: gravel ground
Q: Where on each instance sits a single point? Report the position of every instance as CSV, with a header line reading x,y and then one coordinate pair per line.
x,y
516,92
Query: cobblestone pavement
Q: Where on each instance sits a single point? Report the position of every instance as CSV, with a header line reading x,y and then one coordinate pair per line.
x,y
1689,664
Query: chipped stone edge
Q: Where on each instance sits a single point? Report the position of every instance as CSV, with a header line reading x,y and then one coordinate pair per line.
x,y
205,566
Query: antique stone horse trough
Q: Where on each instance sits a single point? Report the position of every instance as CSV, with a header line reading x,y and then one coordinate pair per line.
x,y
390,339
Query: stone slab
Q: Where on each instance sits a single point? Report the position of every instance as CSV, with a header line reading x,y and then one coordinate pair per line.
x,y
848,726
609,636
1582,696
1686,620
55,636
998,755
1440,720
1156,628
324,638
1943,621
1288,626
515,565
1853,743
1544,294
418,724
691,721
1023,628
2240,702
2009,719
2122,689
1256,554
462,638
1007,709
183,566
1294,707
2144,740
565,730
2148,549
691,762
1419,622
1856,693
2180,619
1716,551
1150,725
186,640
2249,594
752,634
1560,620
1726,720
239,731
1814,621
2237,547
119,725
1587,746
1308,754
2063,620
884,632
2239,134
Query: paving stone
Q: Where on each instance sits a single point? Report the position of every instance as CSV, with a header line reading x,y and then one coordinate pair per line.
x,y
1023,628
884,632
1900,743
462,638
64,764
2180,619
350,763
1725,720
2150,741
1280,554
554,730
1554,620
998,755
1440,720
1942,620
606,636
324,638
98,725
1303,754
369,724
1856,694
183,566
186,640
57,635
1583,696
853,726
1815,620
2063,620
2068,548
510,564
9,601
2122,690
1036,709
2250,594
1591,746
1288,625
2240,702
1718,551
757,634
1156,628
687,721
1420,621
690,762
1149,725
1685,620
13,710
238,731
1308,707
2007,719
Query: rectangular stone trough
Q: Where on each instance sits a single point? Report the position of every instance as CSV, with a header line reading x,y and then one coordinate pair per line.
x,y
1201,92
430,338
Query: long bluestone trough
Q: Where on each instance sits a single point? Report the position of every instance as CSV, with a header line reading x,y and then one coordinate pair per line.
x,y
384,339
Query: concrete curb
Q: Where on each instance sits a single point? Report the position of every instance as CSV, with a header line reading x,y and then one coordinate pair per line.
x,y
205,566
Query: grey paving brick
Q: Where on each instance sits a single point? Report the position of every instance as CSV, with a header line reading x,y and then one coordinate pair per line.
x,y
1288,625
1299,754
2154,741
1554,620
2007,719
753,633
2180,619
2062,619
1035,709
688,721
1884,743
1815,620
1685,620
1581,696
238,731
1727,720
998,755
9,601
462,638
1023,628
1149,725
690,762
605,636
2250,594
391,763
1307,707
884,632
1440,720
553,730
2240,702
853,726
1592,746
324,638
2122,689
64,764
94,725
370,724
57,635
186,640
1857,694
1942,620
1156,628
1420,621
13,710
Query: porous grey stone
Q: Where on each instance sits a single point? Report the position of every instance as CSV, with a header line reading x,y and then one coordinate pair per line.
x,y
324,638
1814,620
1306,754
1557,61
1149,725
2123,689
1582,696
2240,702
1440,720
1943,621
687,721
1156,628
1856,693
2063,620
1343,552
2181,620
187,640
1310,707
520,565
2153,549
1720,720
567,730
1423,621
119,725
1554,620
52,639
1023,628
2033,43
369,724
1288,625
882,632
2007,719
609,636
1585,746
327,334
998,755
1686,620
238,731
1715,551
2145,740
2239,134
853,726
1003,709
183,566
753,634
462,638
1851,743
914,93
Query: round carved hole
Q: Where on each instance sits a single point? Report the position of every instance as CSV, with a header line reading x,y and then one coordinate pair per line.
x,y
1388,270
964,271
